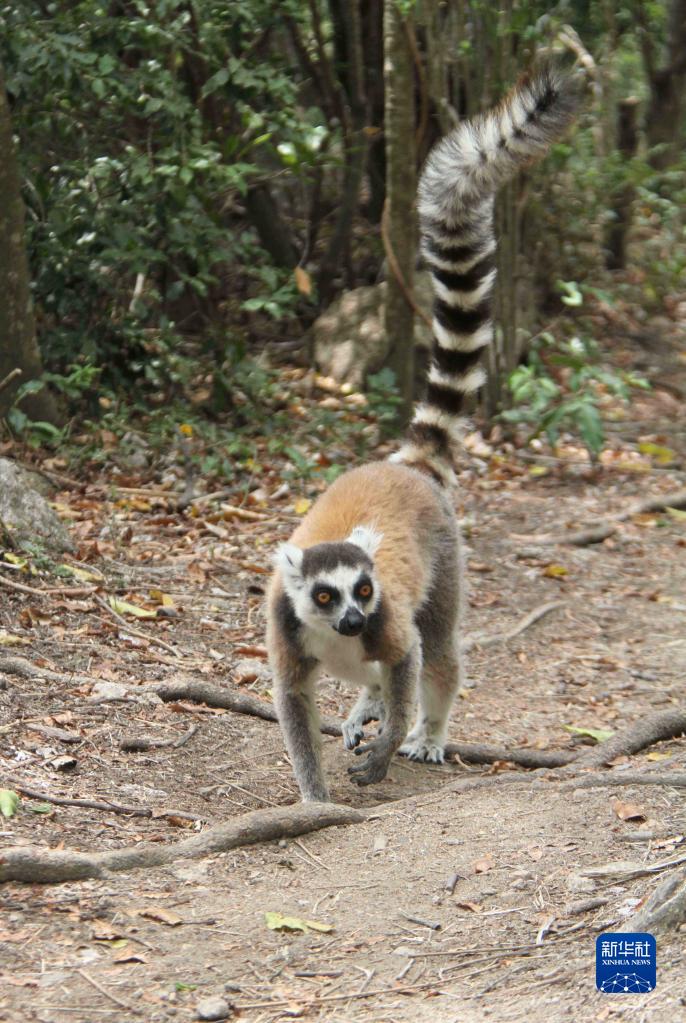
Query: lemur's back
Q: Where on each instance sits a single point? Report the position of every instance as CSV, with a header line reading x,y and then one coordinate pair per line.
x,y
413,514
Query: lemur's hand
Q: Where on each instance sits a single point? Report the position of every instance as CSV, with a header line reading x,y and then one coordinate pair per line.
x,y
375,767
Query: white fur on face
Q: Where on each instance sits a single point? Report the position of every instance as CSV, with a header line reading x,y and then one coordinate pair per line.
x,y
289,560
342,578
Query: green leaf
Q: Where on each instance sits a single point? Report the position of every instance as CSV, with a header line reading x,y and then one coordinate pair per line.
x,y
216,81
590,427
279,922
599,734
39,807
571,295
9,802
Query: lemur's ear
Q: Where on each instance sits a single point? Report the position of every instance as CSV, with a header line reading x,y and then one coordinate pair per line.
x,y
366,538
289,559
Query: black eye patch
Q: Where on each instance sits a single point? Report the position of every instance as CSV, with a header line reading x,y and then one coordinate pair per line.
x,y
325,596
363,588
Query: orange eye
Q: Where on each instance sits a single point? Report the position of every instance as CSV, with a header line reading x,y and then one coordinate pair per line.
x,y
323,597
365,591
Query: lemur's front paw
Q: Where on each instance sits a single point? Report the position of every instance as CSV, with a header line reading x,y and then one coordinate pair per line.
x,y
375,767
353,733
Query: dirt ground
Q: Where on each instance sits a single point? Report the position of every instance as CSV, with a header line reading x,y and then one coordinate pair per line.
x,y
449,903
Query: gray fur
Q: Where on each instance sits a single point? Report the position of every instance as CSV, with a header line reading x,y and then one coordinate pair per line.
x,y
401,697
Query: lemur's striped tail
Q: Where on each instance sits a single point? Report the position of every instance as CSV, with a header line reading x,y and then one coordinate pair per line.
x,y
455,199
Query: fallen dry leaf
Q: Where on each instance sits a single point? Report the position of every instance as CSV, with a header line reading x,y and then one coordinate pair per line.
x,y
161,915
483,864
555,571
8,639
279,922
628,811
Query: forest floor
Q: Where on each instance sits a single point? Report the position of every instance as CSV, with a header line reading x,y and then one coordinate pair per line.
x,y
496,869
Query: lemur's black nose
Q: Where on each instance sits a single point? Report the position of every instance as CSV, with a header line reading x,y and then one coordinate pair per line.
x,y
352,622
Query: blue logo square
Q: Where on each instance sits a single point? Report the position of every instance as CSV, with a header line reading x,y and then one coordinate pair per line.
x,y
625,963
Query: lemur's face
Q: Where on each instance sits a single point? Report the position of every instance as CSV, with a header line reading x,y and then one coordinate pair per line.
x,y
333,585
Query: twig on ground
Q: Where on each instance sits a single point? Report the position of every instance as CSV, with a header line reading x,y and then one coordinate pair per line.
x,y
482,639
49,866
148,636
432,925
600,529
63,591
93,804
108,994
138,744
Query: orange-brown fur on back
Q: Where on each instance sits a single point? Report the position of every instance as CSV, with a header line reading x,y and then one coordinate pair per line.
x,y
408,509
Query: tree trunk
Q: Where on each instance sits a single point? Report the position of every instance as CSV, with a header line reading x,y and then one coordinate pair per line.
x,y
273,233
401,185
18,345
666,107
622,201
349,65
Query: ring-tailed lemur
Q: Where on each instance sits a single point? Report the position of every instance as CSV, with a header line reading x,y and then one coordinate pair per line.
x,y
368,589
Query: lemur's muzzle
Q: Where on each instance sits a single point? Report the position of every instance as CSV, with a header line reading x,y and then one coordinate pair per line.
x,y
352,622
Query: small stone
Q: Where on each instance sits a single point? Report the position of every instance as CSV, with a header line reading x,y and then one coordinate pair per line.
x,y
213,1007
108,691
580,884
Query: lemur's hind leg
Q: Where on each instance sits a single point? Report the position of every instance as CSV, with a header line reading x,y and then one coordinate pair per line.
x,y
369,707
438,687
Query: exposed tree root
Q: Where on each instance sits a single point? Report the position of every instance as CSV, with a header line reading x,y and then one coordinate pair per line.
x,y
227,698
482,753
49,866
600,529
23,668
612,779
655,728
665,724
93,804
665,909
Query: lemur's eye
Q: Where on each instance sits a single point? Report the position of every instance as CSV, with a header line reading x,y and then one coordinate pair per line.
x,y
323,597
365,591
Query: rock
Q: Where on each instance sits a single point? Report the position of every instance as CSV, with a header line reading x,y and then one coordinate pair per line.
x,y
108,691
25,514
213,1007
249,670
350,339
577,883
